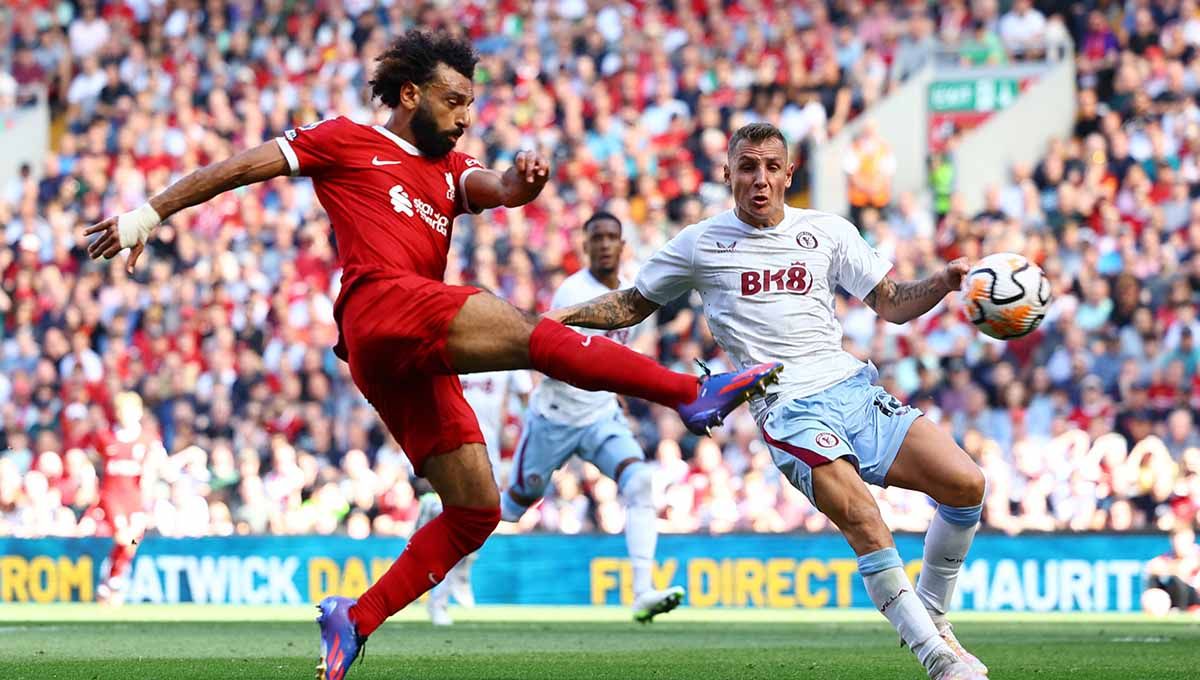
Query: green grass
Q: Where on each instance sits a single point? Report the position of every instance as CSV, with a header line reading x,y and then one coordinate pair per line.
x,y
84,642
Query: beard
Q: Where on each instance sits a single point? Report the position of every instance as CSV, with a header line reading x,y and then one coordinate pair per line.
x,y
431,140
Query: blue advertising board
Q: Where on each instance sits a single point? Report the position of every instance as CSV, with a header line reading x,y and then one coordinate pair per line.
x,y
1060,572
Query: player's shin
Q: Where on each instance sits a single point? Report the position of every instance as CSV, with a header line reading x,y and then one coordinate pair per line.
x,y
599,364
641,530
430,554
893,594
946,545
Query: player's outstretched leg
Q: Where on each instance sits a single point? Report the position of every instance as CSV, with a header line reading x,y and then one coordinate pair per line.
x,y
489,334
635,480
112,590
127,532
930,461
463,480
843,497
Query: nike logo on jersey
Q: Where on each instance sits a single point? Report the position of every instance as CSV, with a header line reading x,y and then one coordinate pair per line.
x,y
375,161
433,578
587,341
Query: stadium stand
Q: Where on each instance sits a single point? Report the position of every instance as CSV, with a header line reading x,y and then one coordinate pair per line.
x,y
1087,424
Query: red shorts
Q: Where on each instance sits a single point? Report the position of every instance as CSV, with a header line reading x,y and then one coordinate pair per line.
x,y
393,335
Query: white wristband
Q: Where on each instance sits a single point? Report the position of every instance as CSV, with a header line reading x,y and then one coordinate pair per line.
x,y
134,227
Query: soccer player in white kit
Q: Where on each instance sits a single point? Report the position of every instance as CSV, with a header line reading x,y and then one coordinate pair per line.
x,y
489,395
767,274
563,421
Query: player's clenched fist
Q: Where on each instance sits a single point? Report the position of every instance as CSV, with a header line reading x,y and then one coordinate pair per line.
x,y
954,273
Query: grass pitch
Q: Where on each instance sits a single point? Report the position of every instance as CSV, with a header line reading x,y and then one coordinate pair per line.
x,y
85,642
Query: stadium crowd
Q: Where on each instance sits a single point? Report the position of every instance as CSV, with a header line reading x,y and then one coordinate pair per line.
x,y
226,328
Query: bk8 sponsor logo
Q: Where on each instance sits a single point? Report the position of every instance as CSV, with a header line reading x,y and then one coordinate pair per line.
x,y
794,279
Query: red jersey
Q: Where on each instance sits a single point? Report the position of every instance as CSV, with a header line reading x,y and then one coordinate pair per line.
x,y
124,454
392,208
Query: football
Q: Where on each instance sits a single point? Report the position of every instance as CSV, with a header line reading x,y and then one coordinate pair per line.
x,y
1006,296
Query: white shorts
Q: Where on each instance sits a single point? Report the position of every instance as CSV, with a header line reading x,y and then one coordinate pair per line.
x,y
855,418
545,445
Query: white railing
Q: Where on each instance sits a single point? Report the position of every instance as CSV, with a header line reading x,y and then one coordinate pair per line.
x,y
985,154
25,138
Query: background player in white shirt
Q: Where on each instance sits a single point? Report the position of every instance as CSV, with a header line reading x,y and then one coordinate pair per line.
x,y
563,421
489,395
767,274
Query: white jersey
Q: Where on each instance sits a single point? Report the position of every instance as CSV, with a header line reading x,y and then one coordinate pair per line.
x,y
488,394
567,404
769,293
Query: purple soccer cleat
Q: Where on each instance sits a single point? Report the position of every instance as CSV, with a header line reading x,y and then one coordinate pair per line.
x,y
723,392
340,642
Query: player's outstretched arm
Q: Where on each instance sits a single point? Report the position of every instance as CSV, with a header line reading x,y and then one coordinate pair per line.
x,y
517,186
618,309
900,302
131,229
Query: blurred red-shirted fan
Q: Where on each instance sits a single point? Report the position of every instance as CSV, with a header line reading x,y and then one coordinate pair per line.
x,y
128,453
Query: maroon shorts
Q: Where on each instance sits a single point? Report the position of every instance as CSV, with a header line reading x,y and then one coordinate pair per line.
x,y
393,335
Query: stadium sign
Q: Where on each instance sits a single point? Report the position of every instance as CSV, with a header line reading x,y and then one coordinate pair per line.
x,y
982,94
1092,572
962,104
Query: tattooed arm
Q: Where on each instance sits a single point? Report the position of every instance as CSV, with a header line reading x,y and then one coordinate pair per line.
x,y
618,309
906,300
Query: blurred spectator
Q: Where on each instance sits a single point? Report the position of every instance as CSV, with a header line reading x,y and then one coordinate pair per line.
x,y
982,46
869,167
1023,30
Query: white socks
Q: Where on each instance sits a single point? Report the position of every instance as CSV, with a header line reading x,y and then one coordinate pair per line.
x,y
894,596
641,524
946,544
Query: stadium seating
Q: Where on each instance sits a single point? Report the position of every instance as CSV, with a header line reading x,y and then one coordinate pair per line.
x,y
1088,424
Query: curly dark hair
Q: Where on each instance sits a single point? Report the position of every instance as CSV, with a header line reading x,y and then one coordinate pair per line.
x,y
414,57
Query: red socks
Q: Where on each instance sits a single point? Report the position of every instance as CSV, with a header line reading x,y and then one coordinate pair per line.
x,y
593,362
431,552
119,560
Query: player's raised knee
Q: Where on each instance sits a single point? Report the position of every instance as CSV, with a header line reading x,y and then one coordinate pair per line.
x,y
967,489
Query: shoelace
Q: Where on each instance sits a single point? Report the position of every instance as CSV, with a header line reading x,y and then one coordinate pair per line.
x,y
704,367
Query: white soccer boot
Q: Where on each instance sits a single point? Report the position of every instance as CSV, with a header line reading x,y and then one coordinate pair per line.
x,y
439,615
438,603
947,633
947,666
654,602
109,595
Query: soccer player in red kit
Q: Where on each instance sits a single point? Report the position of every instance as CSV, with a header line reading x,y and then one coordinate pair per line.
x,y
392,192
126,453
